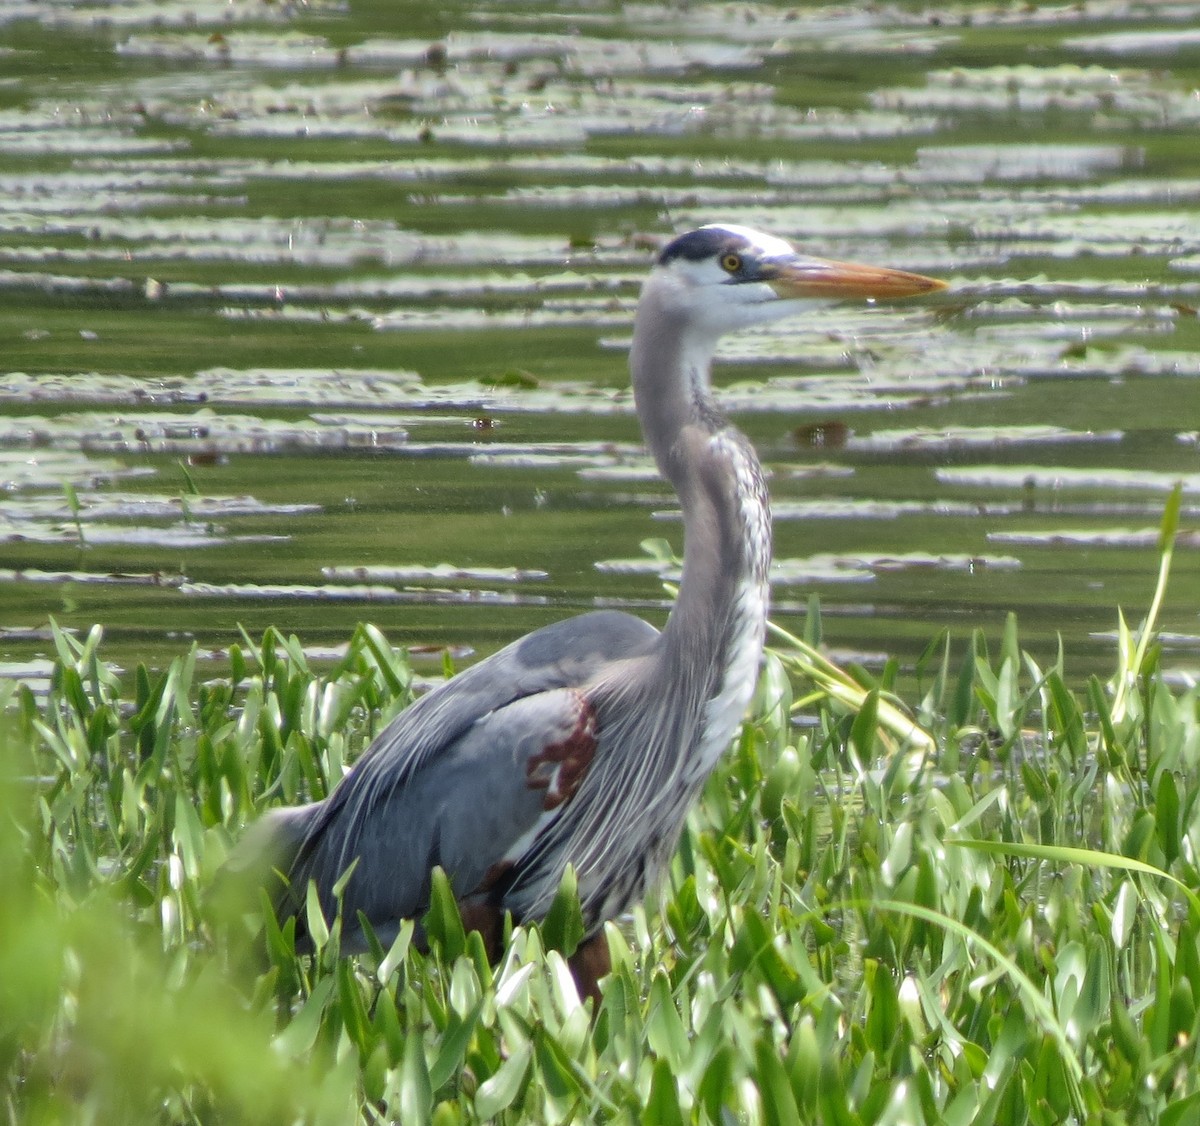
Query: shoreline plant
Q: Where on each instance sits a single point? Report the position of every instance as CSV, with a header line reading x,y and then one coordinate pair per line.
x,y
984,911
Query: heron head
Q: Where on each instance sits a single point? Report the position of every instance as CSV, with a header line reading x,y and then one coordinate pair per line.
x,y
723,277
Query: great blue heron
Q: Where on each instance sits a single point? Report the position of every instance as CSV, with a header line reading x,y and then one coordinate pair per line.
x,y
586,741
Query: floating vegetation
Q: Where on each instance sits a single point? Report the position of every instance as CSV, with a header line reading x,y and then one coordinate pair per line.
x,y
22,466
34,673
865,566
537,459
1136,95
440,572
116,578
181,535
353,592
83,17
818,471
641,565
292,246
829,567
87,507
1084,537
974,437
87,518
859,508
257,386
640,471
1156,42
359,592
1053,479
1015,162
284,49
203,432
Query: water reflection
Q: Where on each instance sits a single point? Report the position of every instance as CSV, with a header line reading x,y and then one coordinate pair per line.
x,y
315,314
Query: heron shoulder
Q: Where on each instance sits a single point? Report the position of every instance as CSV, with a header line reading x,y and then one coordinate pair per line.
x,y
567,654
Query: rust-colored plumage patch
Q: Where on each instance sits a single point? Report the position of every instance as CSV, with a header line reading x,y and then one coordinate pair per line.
x,y
559,767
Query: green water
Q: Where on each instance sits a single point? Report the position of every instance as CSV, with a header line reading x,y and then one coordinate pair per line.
x,y
358,258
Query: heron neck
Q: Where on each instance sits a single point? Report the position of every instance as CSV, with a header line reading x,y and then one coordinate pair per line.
x,y
670,362
726,514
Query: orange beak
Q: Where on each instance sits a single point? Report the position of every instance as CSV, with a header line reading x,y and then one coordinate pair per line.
x,y
801,276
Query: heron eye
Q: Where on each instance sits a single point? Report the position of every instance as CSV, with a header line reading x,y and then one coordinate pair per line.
x,y
731,263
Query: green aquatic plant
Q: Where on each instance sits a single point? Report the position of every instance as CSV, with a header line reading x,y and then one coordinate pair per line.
x,y
987,913
75,509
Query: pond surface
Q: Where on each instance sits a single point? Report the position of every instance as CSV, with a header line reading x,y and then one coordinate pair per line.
x,y
317,313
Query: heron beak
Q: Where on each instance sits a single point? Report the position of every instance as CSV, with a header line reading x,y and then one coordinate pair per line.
x,y
801,276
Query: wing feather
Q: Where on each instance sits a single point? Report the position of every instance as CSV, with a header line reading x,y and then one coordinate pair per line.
x,y
462,777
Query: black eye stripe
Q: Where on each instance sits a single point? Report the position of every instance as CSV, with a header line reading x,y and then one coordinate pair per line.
x,y
725,249
695,245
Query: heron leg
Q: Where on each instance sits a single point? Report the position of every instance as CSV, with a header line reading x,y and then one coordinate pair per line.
x,y
488,920
590,962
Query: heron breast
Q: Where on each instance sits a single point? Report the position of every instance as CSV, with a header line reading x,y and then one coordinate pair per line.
x,y
725,710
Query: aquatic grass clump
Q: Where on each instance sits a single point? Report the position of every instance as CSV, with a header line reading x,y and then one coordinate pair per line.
x,y
985,911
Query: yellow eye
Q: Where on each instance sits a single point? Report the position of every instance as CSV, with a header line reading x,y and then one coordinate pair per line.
x,y
731,263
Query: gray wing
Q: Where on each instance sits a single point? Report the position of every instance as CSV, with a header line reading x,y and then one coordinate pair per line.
x,y
470,810
463,777
565,654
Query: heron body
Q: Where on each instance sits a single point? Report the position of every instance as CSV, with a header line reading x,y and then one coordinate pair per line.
x,y
587,741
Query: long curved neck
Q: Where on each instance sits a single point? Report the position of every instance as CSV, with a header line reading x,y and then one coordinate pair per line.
x,y
726,514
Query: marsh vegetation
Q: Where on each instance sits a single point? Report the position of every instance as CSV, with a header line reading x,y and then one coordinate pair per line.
x,y
980,910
